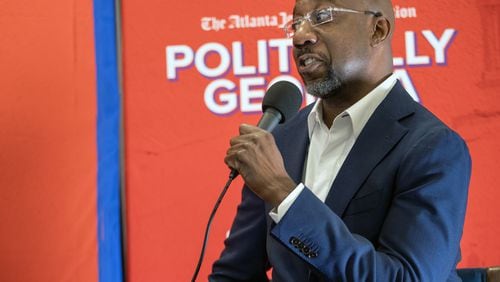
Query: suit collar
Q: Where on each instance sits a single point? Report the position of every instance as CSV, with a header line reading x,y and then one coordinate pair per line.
x,y
359,112
293,141
381,133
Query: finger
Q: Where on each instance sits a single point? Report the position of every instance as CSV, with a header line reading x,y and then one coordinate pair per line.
x,y
247,129
240,150
243,137
236,149
235,140
235,158
240,139
231,162
243,146
246,138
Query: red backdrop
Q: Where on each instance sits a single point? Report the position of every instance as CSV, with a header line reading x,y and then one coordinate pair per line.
x,y
194,70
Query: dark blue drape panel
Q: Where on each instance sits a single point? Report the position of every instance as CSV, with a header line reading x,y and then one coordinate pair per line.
x,y
108,143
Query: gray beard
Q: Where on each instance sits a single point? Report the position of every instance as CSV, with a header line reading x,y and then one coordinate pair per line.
x,y
326,88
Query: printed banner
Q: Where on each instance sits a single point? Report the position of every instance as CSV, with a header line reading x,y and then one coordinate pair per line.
x,y
194,71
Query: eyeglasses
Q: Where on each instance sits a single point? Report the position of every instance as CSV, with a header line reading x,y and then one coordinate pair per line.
x,y
321,16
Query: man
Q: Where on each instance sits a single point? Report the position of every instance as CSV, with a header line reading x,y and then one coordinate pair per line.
x,y
364,185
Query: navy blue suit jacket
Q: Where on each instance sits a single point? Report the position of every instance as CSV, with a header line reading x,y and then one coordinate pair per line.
x,y
395,211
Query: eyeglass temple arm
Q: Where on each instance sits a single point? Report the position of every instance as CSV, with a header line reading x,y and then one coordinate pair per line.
x,y
375,14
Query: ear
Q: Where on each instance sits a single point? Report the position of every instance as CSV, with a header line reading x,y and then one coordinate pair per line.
x,y
381,31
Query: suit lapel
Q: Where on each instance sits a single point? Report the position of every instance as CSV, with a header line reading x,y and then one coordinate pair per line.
x,y
294,143
381,133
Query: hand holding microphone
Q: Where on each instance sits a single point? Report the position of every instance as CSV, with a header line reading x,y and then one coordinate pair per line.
x,y
254,154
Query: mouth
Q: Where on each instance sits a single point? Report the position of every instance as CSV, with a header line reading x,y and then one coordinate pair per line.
x,y
309,63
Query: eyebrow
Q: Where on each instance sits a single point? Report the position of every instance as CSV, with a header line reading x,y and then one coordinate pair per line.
x,y
294,11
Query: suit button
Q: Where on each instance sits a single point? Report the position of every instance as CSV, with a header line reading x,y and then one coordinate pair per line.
x,y
294,241
301,245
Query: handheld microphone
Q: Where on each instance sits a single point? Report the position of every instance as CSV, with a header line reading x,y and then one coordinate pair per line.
x,y
281,102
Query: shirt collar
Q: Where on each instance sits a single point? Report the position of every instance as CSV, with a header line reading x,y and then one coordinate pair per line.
x,y
360,112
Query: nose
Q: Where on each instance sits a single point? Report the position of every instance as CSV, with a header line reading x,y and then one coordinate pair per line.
x,y
304,36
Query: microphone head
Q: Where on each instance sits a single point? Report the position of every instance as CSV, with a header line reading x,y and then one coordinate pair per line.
x,y
284,97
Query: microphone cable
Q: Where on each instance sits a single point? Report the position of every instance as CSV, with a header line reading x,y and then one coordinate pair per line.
x,y
232,176
281,101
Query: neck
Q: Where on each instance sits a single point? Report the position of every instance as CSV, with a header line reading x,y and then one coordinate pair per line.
x,y
346,96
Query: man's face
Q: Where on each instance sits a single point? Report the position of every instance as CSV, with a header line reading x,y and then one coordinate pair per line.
x,y
334,54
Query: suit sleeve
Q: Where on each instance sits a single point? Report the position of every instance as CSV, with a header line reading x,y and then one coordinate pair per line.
x,y
244,257
420,237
